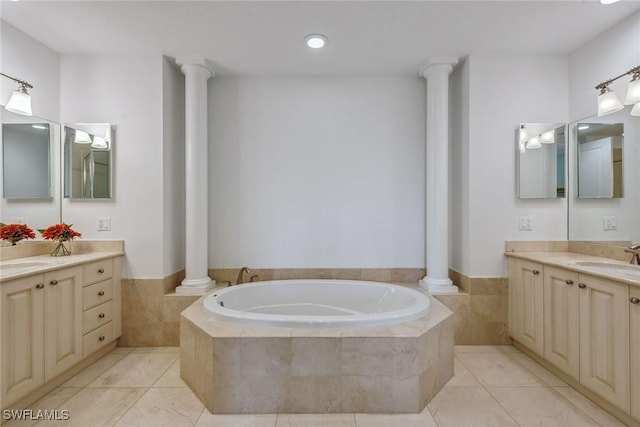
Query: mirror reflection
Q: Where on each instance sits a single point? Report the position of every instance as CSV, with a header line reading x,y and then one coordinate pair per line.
x,y
39,206
600,160
88,160
541,149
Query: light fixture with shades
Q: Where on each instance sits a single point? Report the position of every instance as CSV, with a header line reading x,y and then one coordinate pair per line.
x,y
608,101
548,137
82,137
99,142
20,101
533,143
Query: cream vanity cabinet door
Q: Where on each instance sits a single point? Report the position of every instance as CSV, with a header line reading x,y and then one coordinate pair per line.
x,y
561,321
634,306
63,320
526,303
604,338
22,336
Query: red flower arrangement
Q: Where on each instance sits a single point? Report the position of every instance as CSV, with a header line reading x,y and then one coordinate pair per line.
x,y
60,232
15,232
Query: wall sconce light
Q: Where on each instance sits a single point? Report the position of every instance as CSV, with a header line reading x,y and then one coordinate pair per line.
x,y
99,142
608,102
533,143
548,137
20,101
82,137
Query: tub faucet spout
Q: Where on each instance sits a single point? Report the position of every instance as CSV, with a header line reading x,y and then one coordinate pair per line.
x,y
243,270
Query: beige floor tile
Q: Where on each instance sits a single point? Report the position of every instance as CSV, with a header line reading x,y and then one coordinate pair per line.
x,y
461,376
588,407
93,371
145,350
538,370
468,406
173,407
485,349
171,377
122,350
207,419
135,370
423,419
493,369
316,420
540,406
53,400
97,407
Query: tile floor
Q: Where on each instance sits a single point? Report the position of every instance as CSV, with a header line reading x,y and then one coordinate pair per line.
x,y
492,386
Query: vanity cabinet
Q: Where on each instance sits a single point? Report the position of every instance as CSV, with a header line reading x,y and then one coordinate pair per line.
x,y
526,304
634,350
52,321
561,320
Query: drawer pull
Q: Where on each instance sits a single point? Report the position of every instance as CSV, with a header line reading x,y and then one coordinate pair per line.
x,y
569,282
101,338
535,272
582,285
101,315
101,271
634,300
40,286
53,282
101,293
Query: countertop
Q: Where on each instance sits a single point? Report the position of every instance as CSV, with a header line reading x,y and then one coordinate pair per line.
x,y
569,260
28,266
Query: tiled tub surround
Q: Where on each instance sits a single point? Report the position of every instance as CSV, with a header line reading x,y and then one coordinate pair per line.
x,y
235,368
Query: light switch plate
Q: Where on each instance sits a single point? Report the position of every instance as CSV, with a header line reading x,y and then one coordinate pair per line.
x,y
104,223
525,223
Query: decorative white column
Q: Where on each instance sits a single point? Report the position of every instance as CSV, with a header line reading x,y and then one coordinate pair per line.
x,y
437,72
197,71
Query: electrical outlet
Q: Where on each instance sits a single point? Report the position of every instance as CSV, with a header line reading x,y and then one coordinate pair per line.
x,y
104,223
525,223
610,223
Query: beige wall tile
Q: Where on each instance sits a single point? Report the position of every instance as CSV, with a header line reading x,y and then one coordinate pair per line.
x,y
364,393
265,357
315,394
315,356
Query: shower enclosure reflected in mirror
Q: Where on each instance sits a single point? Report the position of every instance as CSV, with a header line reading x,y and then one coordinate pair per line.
x,y
88,159
541,149
600,160
30,178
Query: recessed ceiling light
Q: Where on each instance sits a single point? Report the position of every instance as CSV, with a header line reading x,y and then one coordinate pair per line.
x,y
608,1
315,41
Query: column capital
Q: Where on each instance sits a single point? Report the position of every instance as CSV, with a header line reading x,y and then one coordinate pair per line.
x,y
207,64
439,62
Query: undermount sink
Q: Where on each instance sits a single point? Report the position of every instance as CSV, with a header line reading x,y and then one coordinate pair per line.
x,y
606,267
12,266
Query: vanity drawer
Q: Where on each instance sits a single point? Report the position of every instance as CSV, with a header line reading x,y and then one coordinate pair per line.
x,y
97,316
97,271
97,338
97,294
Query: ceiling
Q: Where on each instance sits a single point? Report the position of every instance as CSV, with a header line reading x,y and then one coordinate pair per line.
x,y
266,37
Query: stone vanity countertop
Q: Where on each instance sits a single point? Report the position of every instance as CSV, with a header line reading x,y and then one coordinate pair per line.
x,y
570,260
28,266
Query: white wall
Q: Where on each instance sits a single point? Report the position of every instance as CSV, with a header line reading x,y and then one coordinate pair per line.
x,y
506,90
25,58
608,55
316,172
173,167
125,91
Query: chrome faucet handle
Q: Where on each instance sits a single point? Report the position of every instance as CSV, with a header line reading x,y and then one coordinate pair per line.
x,y
253,278
635,246
228,282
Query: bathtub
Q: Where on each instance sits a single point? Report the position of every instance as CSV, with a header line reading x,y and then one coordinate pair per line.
x,y
317,304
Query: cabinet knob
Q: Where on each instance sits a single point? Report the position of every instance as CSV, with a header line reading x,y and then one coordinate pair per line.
x,y
582,285
101,270
101,315
101,293
634,300
40,286
101,338
53,282
535,272
569,282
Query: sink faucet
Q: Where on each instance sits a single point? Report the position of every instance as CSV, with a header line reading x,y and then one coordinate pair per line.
x,y
241,274
634,250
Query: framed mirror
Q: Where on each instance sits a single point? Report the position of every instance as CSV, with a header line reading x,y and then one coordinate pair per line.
x,y
610,214
541,160
600,154
30,179
88,161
